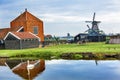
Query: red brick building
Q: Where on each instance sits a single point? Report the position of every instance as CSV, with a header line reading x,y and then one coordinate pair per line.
x,y
30,23
26,22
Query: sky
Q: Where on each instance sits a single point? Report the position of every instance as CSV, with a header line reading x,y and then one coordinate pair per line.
x,y
64,16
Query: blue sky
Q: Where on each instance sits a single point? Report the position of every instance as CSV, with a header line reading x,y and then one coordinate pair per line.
x,y
64,16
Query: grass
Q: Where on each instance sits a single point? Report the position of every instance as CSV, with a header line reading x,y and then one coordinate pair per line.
x,y
57,50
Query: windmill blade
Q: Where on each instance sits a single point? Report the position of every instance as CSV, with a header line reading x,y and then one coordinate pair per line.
x,y
101,31
87,30
98,21
88,26
88,21
94,17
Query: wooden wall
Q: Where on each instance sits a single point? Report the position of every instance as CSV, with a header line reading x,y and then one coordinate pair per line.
x,y
114,40
12,44
21,44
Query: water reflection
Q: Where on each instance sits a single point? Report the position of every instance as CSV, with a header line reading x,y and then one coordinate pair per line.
x,y
81,70
60,70
23,67
2,61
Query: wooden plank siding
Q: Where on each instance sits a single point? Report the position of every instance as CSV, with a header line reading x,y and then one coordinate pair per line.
x,y
114,39
30,43
12,44
21,44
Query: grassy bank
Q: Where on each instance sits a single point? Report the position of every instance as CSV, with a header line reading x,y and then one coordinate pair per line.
x,y
57,50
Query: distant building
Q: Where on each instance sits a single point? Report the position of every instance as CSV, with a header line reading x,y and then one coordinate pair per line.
x,y
48,37
81,37
68,38
90,38
97,38
114,39
26,22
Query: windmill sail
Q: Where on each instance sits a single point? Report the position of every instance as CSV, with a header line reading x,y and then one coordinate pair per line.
x,y
94,17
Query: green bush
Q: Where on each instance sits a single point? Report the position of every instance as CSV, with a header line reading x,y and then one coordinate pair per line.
x,y
78,56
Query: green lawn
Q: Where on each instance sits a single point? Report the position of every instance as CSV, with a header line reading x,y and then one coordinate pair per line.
x,y
56,50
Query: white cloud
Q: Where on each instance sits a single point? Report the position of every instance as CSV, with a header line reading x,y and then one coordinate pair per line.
x,y
112,17
116,2
65,14
62,18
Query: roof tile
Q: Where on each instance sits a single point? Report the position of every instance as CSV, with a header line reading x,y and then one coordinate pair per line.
x,y
24,35
4,31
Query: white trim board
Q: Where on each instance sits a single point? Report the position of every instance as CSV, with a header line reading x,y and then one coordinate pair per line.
x,y
20,29
12,34
35,35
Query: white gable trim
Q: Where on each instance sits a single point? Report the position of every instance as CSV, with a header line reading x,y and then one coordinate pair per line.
x,y
13,67
6,35
7,65
12,34
19,29
16,66
35,35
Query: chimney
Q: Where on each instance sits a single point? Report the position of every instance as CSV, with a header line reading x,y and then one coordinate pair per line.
x,y
25,9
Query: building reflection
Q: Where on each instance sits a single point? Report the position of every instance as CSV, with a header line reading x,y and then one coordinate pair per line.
x,y
2,61
26,69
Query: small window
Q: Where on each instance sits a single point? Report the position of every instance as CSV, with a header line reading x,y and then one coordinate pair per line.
x,y
35,30
77,38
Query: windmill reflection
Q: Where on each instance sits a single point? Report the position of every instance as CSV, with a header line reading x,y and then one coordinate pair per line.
x,y
26,69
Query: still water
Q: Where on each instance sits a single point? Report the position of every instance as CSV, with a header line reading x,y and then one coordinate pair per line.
x,y
68,70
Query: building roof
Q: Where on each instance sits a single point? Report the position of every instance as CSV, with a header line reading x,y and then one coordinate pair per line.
x,y
81,34
22,35
48,36
4,31
26,16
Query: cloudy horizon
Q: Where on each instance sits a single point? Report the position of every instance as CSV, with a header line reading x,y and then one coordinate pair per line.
x,y
64,16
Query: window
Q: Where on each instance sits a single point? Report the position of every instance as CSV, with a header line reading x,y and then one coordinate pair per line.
x,y
35,29
82,36
77,38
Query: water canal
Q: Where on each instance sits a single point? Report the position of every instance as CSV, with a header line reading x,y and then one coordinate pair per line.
x,y
62,70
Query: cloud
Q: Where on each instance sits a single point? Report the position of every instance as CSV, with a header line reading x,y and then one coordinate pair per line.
x,y
62,18
64,14
116,2
110,17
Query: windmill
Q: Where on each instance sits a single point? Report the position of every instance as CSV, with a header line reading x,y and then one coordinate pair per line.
x,y
95,28
94,33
